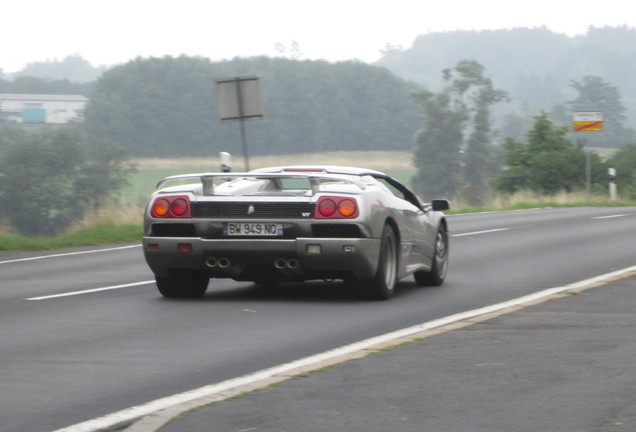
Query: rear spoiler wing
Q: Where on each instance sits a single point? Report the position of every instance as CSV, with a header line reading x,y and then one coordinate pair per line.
x,y
207,179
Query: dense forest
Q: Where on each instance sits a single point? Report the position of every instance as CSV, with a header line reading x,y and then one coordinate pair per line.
x,y
167,107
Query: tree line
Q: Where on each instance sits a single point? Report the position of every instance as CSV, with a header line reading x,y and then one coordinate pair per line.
x,y
167,107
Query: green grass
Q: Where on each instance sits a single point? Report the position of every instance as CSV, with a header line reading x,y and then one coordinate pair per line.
x,y
143,182
97,235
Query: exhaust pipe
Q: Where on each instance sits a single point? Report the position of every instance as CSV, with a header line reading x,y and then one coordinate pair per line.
x,y
293,264
282,264
221,263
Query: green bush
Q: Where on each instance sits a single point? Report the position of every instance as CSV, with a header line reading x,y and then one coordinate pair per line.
x,y
48,183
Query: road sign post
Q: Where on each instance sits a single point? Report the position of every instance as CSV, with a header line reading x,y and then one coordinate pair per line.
x,y
239,99
611,173
587,121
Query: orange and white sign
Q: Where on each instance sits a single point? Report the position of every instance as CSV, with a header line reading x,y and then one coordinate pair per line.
x,y
586,121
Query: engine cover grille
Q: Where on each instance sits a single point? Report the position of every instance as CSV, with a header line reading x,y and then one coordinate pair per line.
x,y
256,210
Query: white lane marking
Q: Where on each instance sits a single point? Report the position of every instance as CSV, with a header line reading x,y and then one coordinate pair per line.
x,y
136,412
480,232
93,290
610,216
69,254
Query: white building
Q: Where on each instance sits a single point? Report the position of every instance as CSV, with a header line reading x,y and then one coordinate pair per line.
x,y
41,108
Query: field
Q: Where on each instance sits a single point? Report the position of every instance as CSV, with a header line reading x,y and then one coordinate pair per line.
x,y
150,171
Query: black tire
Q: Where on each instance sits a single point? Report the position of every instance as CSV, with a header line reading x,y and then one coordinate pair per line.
x,y
439,267
183,284
382,286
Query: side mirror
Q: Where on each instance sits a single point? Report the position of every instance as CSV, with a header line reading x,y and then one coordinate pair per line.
x,y
440,205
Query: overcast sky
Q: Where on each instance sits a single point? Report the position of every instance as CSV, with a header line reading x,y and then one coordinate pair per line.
x,y
108,32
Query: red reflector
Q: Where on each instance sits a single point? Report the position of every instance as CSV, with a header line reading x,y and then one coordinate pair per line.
x,y
327,207
153,246
184,248
179,207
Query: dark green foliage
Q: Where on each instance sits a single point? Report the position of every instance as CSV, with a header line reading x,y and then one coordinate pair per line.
x,y
453,151
48,183
167,107
437,146
548,163
37,184
104,172
480,162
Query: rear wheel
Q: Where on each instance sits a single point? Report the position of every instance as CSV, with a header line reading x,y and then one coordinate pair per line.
x,y
439,267
382,286
183,284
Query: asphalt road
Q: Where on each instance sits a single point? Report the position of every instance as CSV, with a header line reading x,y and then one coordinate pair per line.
x,y
86,334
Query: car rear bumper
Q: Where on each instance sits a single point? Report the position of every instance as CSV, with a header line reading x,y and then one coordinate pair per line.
x,y
254,259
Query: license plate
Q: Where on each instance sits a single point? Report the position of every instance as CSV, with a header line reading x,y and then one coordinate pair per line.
x,y
253,229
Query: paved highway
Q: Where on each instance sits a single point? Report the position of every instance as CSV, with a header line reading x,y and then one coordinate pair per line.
x,y
84,333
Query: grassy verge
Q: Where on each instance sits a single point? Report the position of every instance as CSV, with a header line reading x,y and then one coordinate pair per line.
x,y
528,200
96,235
535,205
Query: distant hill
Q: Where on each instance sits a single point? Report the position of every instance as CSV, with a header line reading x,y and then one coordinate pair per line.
x,y
534,65
73,68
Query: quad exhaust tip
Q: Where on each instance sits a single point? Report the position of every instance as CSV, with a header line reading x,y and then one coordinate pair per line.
x,y
279,263
283,263
221,263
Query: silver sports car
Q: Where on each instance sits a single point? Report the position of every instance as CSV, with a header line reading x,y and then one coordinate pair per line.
x,y
293,223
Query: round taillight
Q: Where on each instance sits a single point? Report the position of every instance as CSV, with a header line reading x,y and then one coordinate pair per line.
x,y
179,207
161,207
326,207
346,207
